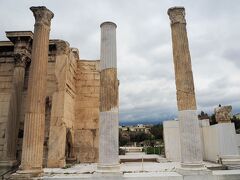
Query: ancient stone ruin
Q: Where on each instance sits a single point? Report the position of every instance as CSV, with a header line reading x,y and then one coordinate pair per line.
x,y
57,108
49,99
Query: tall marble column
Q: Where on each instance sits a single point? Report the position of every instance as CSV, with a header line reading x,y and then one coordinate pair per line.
x,y
108,126
32,151
191,148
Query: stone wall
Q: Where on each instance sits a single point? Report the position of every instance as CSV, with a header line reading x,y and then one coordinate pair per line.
x,y
87,111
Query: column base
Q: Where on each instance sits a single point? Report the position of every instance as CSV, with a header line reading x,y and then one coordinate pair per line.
x,y
113,168
27,174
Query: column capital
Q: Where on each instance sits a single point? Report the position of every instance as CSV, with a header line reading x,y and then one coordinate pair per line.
x,y
63,47
42,15
177,15
21,59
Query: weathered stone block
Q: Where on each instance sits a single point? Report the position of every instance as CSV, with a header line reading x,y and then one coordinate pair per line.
x,y
87,145
87,118
87,111
56,146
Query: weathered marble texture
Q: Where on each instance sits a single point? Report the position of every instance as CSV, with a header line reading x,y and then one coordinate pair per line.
x,y
172,140
108,138
190,140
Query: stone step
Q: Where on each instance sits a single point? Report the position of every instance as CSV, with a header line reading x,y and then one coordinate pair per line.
x,y
230,160
126,176
233,167
230,157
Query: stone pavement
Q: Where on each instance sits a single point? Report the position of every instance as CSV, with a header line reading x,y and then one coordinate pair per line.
x,y
139,170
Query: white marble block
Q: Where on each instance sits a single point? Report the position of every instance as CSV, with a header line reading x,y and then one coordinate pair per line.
x,y
220,140
171,140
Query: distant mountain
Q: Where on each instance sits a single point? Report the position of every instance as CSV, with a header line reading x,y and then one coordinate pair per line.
x,y
132,123
150,120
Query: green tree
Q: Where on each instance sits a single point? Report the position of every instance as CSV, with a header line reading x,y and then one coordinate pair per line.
x,y
124,138
157,131
213,119
236,122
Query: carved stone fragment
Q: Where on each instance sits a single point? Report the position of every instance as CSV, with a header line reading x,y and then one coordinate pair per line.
x,y
223,114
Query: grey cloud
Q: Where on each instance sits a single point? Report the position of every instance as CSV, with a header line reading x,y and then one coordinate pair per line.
x,y
233,55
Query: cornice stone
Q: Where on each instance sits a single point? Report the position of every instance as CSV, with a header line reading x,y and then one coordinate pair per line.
x,y
62,47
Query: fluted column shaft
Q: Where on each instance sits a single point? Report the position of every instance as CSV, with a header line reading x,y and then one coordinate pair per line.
x,y
13,124
32,151
191,150
108,127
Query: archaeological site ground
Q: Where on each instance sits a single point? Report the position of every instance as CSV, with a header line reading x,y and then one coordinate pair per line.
x,y
59,113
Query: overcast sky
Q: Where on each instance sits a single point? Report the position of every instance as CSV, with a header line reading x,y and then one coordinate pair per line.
x,y
145,64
